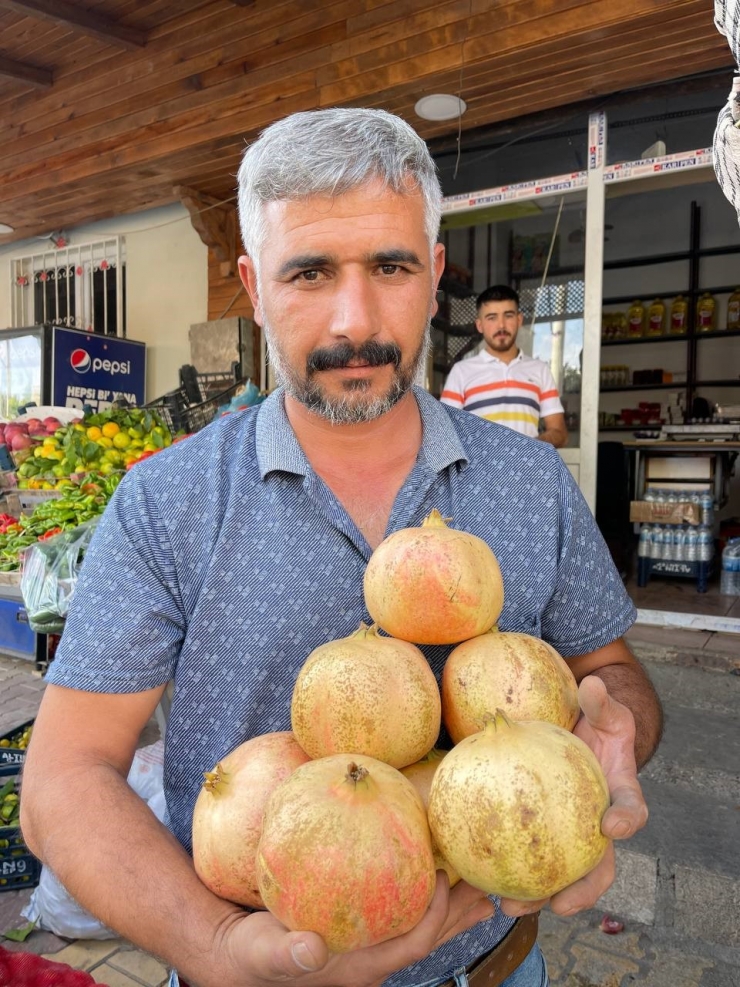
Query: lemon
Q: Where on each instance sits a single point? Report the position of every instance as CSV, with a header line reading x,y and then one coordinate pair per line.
x,y
93,433
110,429
105,441
150,447
121,440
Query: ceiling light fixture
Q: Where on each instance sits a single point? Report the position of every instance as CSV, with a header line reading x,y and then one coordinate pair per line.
x,y
440,106
4,228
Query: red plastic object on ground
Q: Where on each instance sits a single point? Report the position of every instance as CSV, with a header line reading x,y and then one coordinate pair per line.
x,y
29,970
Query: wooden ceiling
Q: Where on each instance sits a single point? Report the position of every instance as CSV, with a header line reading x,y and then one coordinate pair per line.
x,y
108,106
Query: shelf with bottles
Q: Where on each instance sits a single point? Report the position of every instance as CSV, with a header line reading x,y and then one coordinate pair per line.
x,y
657,322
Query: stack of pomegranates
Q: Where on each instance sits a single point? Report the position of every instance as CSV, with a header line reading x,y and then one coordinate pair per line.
x,y
339,825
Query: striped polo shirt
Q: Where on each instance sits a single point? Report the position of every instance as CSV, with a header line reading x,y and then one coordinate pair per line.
x,y
515,394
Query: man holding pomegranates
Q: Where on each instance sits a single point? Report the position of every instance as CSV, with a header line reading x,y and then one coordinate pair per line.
x,y
224,561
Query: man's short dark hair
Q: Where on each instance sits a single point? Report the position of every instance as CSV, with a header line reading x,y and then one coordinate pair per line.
x,y
497,293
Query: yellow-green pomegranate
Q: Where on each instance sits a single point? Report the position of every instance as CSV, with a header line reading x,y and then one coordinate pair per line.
x,y
420,775
516,809
433,584
367,694
518,673
346,852
227,818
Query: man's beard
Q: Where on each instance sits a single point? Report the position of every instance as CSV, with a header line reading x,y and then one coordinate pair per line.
x,y
350,408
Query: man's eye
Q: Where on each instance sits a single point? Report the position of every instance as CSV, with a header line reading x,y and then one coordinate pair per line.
x,y
312,275
390,268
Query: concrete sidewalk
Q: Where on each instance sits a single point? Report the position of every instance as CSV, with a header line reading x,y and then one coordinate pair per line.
x,y
678,886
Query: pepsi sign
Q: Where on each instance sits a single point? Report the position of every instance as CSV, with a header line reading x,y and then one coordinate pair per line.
x,y
81,361
96,370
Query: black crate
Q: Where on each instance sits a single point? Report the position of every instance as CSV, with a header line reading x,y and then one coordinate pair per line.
x,y
12,758
700,571
171,409
18,866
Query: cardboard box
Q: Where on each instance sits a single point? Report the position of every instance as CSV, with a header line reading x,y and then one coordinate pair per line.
x,y
684,513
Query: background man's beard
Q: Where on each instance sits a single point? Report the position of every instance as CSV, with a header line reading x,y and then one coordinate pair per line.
x,y
349,408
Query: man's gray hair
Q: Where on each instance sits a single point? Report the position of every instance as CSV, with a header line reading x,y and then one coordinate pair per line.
x,y
328,152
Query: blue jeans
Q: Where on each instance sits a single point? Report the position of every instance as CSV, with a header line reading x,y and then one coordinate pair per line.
x,y
531,973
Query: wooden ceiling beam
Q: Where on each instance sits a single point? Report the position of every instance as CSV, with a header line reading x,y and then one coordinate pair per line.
x,y
22,72
85,21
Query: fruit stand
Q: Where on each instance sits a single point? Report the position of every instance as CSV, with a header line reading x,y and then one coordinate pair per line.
x,y
66,467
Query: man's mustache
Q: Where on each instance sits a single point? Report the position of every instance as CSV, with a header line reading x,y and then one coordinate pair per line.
x,y
372,353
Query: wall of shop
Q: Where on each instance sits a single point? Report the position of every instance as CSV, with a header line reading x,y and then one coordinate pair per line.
x,y
166,284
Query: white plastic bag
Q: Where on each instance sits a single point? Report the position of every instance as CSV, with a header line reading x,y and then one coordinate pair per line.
x,y
51,906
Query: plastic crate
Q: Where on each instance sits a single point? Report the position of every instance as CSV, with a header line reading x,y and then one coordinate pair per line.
x,y
12,758
198,416
18,866
202,387
171,408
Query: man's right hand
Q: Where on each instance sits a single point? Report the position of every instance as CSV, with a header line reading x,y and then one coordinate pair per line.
x,y
256,950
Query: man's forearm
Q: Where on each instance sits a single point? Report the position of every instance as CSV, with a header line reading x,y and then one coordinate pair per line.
x,y
151,893
554,436
629,684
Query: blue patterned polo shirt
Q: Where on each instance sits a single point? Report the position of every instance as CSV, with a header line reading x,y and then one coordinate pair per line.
x,y
223,561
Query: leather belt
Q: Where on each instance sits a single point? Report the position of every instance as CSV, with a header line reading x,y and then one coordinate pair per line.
x,y
493,968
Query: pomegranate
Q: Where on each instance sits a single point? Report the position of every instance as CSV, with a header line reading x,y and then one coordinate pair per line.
x,y
346,852
227,819
420,775
367,694
433,584
516,672
517,808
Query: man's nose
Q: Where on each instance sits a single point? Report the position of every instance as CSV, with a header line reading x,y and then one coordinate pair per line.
x,y
355,309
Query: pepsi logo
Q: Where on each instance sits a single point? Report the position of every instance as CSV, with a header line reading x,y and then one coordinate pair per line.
x,y
80,360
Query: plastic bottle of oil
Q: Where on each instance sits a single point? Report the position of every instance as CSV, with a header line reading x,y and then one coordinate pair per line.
x,y
636,319
706,313
656,318
733,310
679,314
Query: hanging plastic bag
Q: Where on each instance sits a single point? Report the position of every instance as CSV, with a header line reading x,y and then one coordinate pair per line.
x,y
51,906
50,569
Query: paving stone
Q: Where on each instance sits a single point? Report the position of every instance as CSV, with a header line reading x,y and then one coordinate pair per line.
x,y
673,969
707,906
633,893
111,977
141,965
553,937
596,968
84,954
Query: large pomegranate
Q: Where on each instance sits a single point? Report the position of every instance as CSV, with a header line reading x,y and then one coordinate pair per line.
x,y
227,818
518,673
367,694
517,808
346,852
420,775
433,584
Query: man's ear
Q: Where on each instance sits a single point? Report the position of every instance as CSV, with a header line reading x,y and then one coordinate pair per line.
x,y
438,266
248,275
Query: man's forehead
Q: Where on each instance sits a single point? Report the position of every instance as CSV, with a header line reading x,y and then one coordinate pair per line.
x,y
503,305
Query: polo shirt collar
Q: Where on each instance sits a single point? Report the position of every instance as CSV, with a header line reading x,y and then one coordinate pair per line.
x,y
495,359
277,447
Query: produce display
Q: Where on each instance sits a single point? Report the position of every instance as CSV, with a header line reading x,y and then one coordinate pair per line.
x,y
9,804
18,740
50,455
344,821
52,517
